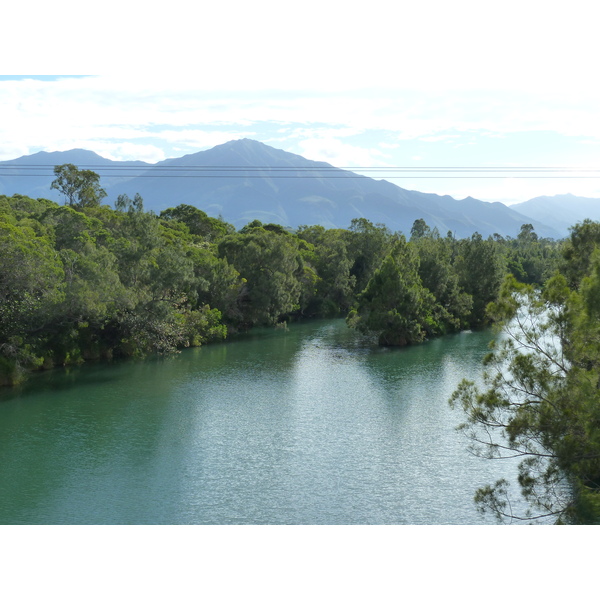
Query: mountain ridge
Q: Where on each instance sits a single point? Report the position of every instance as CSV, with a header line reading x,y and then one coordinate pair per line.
x,y
243,180
560,211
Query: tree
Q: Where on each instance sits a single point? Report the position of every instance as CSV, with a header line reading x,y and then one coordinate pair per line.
x,y
81,188
578,249
328,255
481,268
395,305
542,400
31,289
82,284
124,203
419,229
439,276
272,267
529,258
367,245
198,222
217,283
527,234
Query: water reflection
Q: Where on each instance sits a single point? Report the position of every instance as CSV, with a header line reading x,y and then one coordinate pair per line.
x,y
310,425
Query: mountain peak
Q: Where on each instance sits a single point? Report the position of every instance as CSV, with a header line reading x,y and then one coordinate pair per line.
x,y
243,152
244,179
75,155
248,145
245,143
241,145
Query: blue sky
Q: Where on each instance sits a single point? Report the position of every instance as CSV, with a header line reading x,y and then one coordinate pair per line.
x,y
380,84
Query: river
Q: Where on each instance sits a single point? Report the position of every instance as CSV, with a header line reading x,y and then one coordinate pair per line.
x,y
306,425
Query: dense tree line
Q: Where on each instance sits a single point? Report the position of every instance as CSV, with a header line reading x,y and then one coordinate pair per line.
x,y
432,285
84,280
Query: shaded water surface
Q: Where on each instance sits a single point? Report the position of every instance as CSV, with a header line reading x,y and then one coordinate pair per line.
x,y
310,425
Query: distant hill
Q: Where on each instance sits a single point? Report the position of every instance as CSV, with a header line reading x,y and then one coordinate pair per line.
x,y
560,212
32,175
244,180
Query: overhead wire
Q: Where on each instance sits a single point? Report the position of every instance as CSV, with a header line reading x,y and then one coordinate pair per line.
x,y
312,172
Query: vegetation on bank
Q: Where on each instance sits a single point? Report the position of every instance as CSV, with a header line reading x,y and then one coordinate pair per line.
x,y
541,396
85,281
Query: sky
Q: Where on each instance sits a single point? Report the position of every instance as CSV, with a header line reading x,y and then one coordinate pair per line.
x,y
499,101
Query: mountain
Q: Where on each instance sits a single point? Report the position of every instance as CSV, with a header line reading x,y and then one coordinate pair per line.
x,y
32,175
560,212
244,180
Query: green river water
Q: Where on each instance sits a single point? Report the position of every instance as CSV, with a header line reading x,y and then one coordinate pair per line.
x,y
309,425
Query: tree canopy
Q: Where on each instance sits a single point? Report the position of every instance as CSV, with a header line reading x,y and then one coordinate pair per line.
x,y
81,188
83,280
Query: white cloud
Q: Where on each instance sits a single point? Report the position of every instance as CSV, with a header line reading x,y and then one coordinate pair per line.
x,y
388,146
41,113
446,137
338,153
198,139
145,152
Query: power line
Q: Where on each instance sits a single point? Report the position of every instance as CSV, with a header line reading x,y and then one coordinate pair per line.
x,y
301,169
338,177
320,172
295,168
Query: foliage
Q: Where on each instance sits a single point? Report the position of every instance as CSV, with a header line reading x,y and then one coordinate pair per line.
x,y
271,267
31,288
367,246
86,281
541,400
91,282
328,255
198,222
529,258
419,230
480,268
395,305
578,249
81,188
439,275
